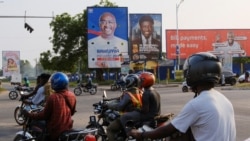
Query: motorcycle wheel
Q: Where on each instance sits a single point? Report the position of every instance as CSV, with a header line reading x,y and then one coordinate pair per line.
x,y
101,135
77,91
113,87
19,137
93,91
19,118
184,89
13,95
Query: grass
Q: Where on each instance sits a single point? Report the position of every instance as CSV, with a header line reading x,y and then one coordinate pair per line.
x,y
243,85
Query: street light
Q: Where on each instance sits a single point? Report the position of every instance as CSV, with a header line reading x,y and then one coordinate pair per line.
x,y
177,37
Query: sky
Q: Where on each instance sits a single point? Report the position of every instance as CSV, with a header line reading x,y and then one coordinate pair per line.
x,y
193,14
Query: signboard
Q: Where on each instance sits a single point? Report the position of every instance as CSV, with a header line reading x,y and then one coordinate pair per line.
x,y
11,62
193,41
145,33
107,36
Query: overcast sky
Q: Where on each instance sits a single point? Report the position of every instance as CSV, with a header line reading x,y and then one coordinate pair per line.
x,y
193,14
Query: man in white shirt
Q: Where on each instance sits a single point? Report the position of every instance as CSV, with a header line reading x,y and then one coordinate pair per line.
x,y
207,117
39,97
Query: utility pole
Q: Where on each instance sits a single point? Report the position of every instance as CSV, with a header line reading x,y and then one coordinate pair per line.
x,y
178,49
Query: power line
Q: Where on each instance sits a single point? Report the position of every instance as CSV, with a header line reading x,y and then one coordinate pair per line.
x,y
26,16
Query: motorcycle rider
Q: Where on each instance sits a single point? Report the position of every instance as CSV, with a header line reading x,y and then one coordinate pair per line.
x,y
210,115
129,102
39,97
151,100
26,82
59,109
38,85
89,81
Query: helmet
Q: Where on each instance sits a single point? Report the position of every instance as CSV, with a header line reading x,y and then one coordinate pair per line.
x,y
202,67
147,79
132,80
59,81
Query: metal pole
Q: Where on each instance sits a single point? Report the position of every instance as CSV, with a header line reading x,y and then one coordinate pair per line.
x,y
178,50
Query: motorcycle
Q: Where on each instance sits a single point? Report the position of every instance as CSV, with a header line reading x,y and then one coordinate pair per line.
x,y
82,87
118,85
18,90
19,117
33,132
105,116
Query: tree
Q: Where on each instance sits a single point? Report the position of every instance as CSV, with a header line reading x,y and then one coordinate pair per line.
x,y
69,43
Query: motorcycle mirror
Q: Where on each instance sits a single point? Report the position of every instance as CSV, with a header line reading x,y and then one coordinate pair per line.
x,y
104,94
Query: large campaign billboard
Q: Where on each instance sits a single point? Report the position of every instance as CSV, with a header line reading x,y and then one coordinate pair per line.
x,y
11,62
107,36
145,36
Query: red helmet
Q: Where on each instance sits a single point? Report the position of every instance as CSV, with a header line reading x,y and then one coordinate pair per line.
x,y
89,137
147,79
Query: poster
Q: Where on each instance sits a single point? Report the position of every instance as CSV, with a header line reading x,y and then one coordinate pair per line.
x,y
224,43
11,62
146,38
107,36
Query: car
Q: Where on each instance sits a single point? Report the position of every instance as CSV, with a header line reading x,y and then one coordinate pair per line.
x,y
230,78
241,78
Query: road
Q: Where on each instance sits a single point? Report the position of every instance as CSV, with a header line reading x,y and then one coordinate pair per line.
x,y
172,98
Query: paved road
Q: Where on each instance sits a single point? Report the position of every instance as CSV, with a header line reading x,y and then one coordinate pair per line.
x,y
172,101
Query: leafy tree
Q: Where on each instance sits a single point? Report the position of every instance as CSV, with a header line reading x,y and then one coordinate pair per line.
x,y
70,43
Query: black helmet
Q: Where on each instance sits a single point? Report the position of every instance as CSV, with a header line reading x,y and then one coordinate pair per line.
x,y
202,67
132,80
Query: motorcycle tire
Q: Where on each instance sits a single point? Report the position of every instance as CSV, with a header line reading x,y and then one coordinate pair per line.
x,y
184,89
93,91
77,91
101,135
13,95
113,87
19,137
19,118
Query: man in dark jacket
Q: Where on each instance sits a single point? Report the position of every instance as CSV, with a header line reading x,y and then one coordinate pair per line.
x,y
129,102
151,100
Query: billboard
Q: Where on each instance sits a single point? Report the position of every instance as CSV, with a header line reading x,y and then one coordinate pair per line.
x,y
11,62
107,36
193,41
145,36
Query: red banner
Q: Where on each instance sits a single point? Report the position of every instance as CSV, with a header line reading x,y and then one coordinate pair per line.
x,y
193,41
